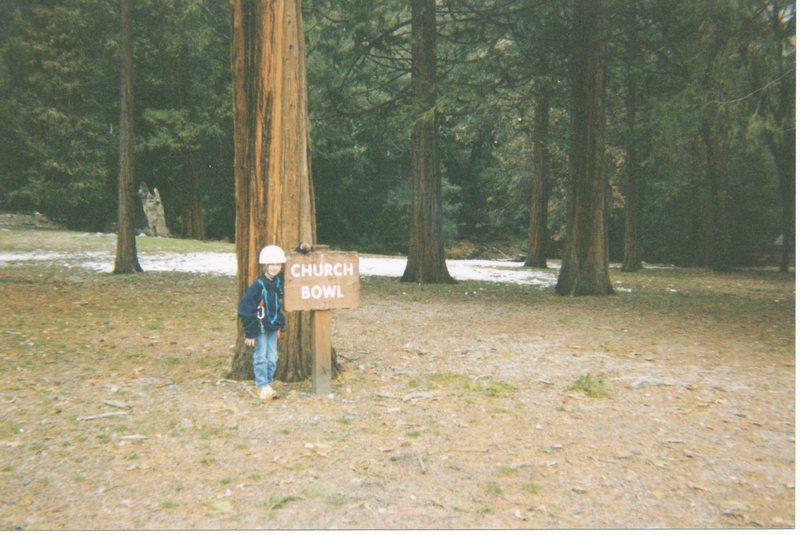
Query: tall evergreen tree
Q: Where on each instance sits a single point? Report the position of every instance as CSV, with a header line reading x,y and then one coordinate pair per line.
x,y
584,263
632,249
426,260
60,79
773,82
537,231
274,193
185,133
126,260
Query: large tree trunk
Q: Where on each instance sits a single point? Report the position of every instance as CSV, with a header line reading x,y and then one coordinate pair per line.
x,y
584,263
274,194
537,231
127,260
426,260
632,257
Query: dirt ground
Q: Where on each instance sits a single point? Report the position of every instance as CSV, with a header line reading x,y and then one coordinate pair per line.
x,y
455,408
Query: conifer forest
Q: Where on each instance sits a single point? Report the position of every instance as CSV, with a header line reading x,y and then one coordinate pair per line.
x,y
695,158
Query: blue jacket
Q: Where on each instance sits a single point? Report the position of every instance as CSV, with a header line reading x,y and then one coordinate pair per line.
x,y
271,318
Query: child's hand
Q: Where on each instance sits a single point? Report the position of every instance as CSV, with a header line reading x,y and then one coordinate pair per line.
x,y
250,342
280,334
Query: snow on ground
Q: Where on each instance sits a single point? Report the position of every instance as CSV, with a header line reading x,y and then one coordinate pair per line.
x,y
474,270
225,264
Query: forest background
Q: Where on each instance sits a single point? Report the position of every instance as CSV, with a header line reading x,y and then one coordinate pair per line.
x,y
699,106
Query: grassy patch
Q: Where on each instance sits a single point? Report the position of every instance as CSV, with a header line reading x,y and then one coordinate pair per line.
x,y
277,500
169,505
220,506
8,429
456,381
532,488
506,470
491,388
493,489
320,490
594,387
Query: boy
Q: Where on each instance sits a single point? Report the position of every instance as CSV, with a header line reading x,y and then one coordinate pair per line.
x,y
260,310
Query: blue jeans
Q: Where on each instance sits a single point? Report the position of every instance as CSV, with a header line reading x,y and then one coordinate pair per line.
x,y
265,358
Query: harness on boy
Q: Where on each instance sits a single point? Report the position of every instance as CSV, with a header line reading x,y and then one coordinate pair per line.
x,y
263,308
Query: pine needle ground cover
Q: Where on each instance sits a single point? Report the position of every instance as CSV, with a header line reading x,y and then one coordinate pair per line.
x,y
459,406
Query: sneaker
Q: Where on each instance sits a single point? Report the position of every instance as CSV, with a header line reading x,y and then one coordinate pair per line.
x,y
266,392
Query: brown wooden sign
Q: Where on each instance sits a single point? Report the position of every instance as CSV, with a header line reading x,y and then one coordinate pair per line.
x,y
321,280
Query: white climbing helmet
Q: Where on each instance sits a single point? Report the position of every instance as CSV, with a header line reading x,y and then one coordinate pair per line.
x,y
272,254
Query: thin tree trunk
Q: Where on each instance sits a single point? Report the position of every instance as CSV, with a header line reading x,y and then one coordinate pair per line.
x,y
632,259
717,252
537,231
274,194
426,260
781,141
192,226
720,244
584,263
191,214
785,160
126,260
471,190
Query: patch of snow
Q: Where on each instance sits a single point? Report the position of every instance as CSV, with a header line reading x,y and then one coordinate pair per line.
x,y
499,271
463,270
209,263
50,257
225,264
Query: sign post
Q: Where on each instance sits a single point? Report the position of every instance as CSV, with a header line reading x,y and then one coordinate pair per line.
x,y
320,281
321,366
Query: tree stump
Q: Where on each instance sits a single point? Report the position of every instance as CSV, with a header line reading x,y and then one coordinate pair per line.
x,y
153,211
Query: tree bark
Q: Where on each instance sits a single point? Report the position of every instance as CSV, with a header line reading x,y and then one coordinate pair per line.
x,y
785,161
274,193
127,260
782,140
426,259
584,263
192,226
537,231
632,256
720,252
